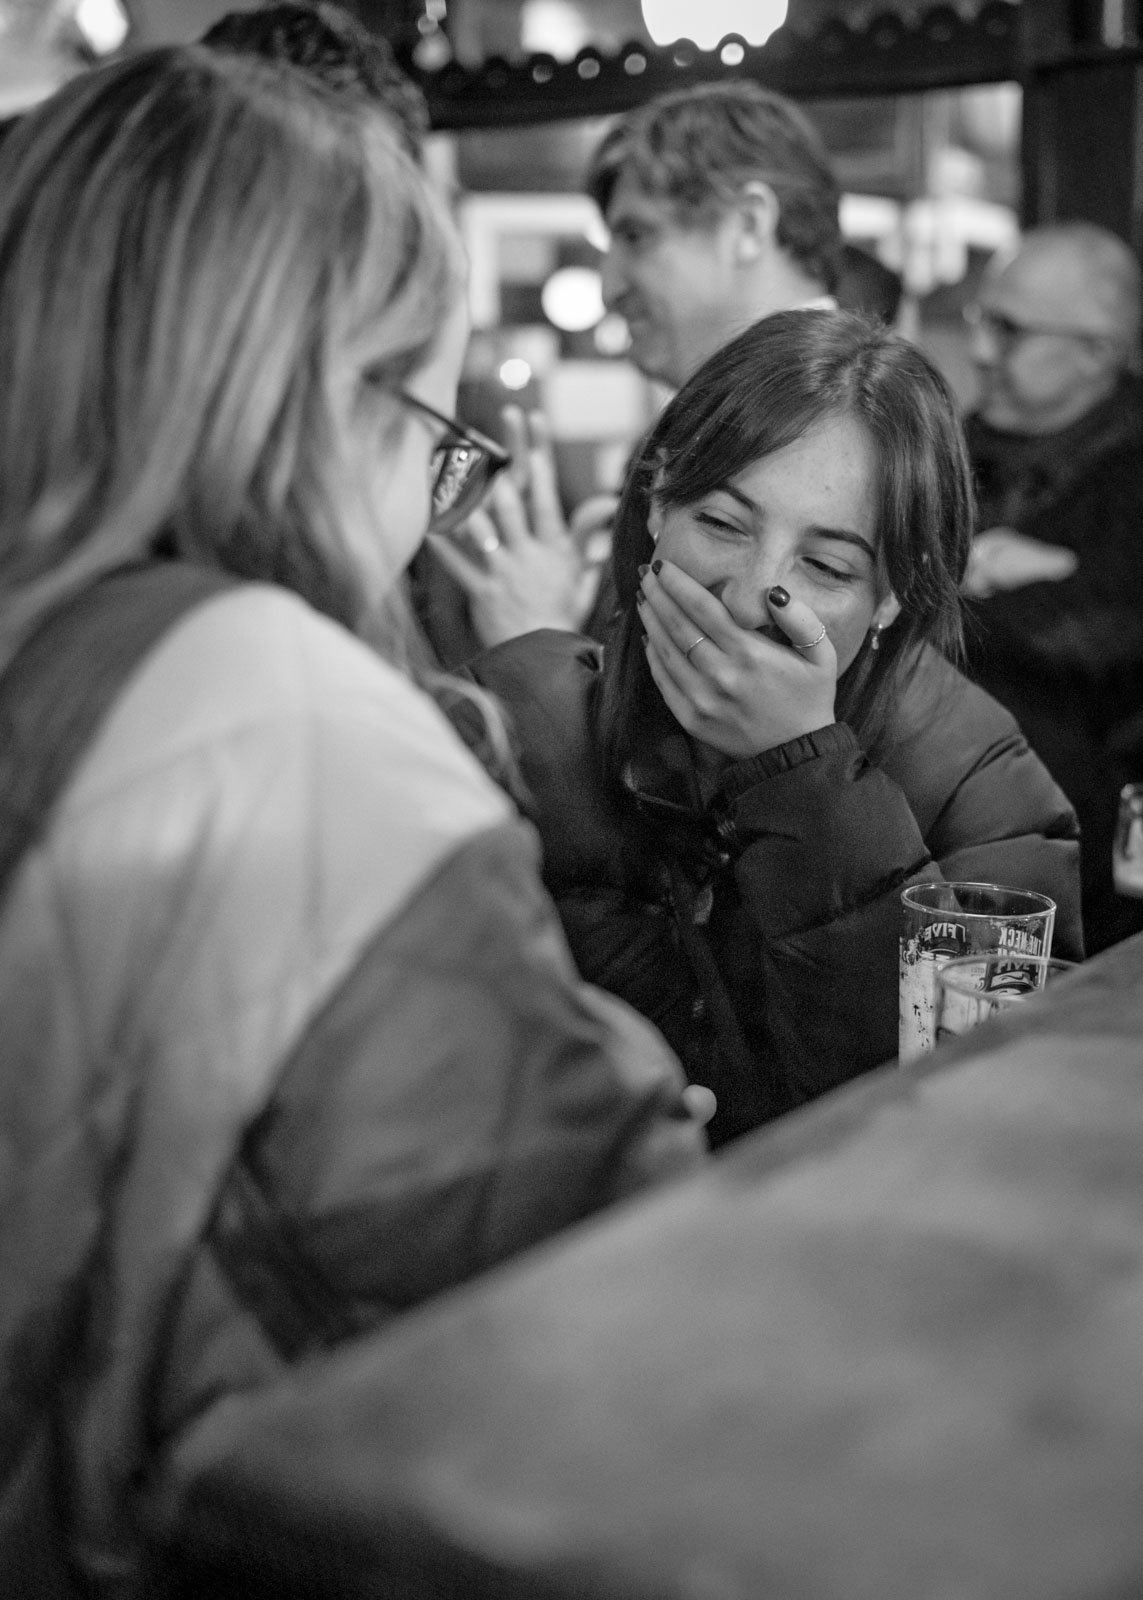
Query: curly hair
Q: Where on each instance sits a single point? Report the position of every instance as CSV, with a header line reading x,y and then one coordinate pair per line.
x,y
333,46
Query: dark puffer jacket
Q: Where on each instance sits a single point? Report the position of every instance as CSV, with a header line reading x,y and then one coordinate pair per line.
x,y
760,932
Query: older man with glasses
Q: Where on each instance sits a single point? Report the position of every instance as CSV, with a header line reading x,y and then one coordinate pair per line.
x,y
1055,583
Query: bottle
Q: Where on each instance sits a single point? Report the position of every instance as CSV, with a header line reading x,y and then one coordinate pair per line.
x,y
1127,850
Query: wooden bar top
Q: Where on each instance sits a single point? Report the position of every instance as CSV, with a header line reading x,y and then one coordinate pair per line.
x,y
889,1349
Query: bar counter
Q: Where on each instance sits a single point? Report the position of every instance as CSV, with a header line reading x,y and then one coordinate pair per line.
x,y
890,1348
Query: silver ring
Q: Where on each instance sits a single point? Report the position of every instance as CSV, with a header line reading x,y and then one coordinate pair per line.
x,y
488,544
700,640
812,642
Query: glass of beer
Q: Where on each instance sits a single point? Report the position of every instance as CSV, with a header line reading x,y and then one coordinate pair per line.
x,y
941,921
971,989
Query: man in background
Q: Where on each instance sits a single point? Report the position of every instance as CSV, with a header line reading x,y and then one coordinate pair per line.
x,y
1055,582
722,208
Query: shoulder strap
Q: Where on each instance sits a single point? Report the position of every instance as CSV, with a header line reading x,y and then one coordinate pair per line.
x,y
65,677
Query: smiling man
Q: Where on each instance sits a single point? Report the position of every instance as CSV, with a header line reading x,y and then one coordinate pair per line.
x,y
722,208
1055,582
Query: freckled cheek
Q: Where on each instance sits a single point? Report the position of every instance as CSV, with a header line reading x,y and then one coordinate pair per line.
x,y
848,627
679,544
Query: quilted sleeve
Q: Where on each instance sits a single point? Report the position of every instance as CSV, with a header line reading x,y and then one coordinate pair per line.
x,y
462,1097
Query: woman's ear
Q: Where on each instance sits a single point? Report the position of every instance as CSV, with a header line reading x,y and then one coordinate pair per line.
x,y
654,520
887,611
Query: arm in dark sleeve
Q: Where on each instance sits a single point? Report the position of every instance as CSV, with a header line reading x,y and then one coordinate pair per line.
x,y
1090,623
826,842
1059,632
464,1096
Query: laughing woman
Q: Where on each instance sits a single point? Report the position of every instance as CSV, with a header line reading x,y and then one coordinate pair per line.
x,y
776,741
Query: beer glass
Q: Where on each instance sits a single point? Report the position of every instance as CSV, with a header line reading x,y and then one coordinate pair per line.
x,y
1127,850
941,921
971,989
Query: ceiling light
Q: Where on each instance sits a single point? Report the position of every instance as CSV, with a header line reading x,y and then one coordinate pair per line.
x,y
707,22
553,28
103,23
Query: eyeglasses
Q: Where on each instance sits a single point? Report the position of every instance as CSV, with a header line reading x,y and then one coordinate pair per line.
x,y
463,466
1007,331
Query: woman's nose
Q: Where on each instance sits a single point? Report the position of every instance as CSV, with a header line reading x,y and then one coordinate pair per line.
x,y
744,592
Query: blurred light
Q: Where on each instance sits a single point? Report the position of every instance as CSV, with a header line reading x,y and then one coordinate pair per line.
x,y
27,77
553,28
612,337
432,52
938,231
23,23
103,23
707,22
597,235
515,373
869,216
572,299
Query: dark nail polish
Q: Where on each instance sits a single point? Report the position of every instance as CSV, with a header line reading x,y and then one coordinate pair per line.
x,y
640,598
656,567
644,570
778,596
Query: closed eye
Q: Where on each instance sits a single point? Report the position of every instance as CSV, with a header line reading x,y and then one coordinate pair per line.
x,y
835,574
709,520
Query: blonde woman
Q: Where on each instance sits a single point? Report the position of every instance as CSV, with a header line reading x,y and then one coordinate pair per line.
x,y
291,1036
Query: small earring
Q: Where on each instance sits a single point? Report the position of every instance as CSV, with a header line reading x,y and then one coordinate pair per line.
x,y
875,640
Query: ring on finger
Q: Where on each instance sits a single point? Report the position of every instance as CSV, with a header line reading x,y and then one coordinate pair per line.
x,y
488,544
700,640
812,642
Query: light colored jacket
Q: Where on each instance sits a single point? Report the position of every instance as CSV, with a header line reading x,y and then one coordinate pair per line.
x,y
282,924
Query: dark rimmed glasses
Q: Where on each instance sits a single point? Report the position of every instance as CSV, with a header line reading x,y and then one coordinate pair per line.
x,y
1008,331
463,466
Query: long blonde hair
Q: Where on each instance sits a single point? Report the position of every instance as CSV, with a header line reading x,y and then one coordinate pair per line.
x,y
198,252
